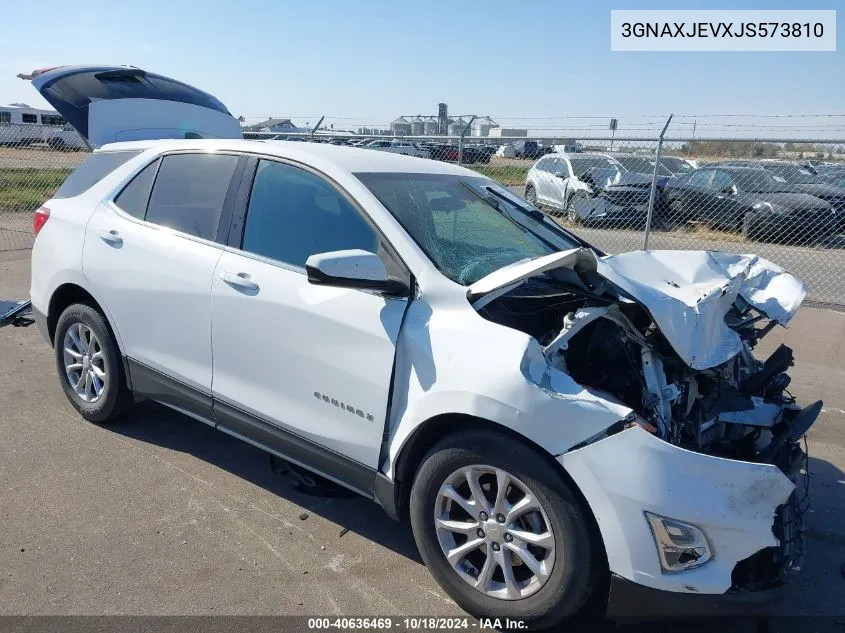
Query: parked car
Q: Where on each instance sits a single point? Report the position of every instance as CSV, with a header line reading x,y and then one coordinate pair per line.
x,y
444,152
530,150
554,421
750,200
807,180
506,151
640,164
66,138
395,146
833,176
593,189
678,166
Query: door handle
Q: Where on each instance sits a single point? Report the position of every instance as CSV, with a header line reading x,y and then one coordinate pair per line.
x,y
240,280
111,237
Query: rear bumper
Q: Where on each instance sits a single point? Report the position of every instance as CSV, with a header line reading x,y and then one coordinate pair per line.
x,y
631,600
41,323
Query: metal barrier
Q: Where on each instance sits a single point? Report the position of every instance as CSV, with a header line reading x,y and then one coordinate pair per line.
x,y
783,199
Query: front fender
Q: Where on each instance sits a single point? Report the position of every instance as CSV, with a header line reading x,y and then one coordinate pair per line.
x,y
455,362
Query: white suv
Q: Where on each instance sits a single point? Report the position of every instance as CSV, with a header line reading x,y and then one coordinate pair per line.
x,y
556,422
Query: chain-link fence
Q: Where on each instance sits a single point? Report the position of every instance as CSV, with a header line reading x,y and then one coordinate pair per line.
x,y
781,199
34,160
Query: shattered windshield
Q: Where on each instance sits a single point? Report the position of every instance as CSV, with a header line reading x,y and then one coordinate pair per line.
x,y
465,229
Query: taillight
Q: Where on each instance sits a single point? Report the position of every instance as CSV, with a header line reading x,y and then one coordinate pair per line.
x,y
40,219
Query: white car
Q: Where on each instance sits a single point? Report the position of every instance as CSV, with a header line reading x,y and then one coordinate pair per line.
x,y
554,421
66,138
556,180
394,146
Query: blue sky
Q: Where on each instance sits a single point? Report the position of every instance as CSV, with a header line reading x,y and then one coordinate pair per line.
x,y
366,62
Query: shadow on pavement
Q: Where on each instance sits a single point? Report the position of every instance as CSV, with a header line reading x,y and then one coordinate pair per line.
x,y
157,425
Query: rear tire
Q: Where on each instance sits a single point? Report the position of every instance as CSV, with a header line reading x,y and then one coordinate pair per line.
x,y
571,214
89,365
570,569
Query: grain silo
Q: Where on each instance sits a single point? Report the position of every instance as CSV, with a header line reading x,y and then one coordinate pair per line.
x,y
400,127
417,126
482,126
430,126
456,127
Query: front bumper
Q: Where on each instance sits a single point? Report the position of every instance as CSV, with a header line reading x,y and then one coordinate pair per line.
x,y
736,504
628,599
601,210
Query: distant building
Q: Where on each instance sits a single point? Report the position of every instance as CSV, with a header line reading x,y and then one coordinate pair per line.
x,y
276,126
373,131
499,132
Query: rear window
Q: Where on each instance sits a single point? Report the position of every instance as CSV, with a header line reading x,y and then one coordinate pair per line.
x,y
90,171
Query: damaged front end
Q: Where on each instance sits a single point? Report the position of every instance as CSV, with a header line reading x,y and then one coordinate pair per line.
x,y
671,336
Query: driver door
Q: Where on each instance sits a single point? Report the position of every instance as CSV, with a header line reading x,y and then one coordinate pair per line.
x,y
303,367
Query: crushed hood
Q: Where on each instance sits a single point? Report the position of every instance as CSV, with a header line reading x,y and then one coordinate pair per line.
x,y
687,293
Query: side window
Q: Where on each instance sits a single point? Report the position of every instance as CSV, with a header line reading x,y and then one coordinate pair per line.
x,y
293,214
134,197
5,117
700,178
29,118
721,180
189,192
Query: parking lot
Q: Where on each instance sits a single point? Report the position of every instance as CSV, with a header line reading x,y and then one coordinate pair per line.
x,y
163,515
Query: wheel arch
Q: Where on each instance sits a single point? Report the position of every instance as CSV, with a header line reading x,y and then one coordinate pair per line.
x,y
427,434
67,294
420,442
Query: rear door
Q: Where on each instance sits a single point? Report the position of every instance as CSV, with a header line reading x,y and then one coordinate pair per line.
x,y
151,252
107,104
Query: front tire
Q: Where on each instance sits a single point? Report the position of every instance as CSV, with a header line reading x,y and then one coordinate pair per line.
x,y
531,194
89,366
502,532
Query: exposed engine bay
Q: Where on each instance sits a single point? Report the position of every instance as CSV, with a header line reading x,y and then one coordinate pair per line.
x,y
739,409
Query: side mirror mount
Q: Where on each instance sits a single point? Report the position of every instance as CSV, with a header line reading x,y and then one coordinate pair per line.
x,y
353,268
731,191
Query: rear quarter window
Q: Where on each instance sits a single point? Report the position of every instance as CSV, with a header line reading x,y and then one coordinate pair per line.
x,y
92,170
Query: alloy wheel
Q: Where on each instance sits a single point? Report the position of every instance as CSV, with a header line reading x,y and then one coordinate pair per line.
x,y
494,532
85,365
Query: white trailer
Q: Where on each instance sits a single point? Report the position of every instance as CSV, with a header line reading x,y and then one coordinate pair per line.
x,y
21,124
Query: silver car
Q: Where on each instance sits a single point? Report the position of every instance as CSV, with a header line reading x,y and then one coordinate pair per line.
x,y
554,179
